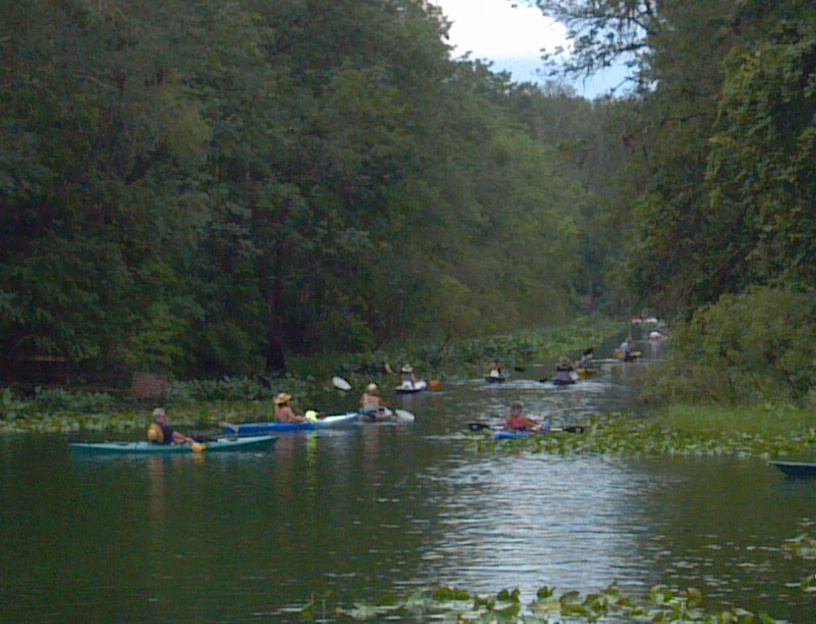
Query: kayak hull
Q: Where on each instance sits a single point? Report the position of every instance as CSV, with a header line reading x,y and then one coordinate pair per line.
x,y
411,388
495,379
142,447
796,469
506,434
388,415
260,428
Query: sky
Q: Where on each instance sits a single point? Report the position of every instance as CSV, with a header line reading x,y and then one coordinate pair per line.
x,y
511,34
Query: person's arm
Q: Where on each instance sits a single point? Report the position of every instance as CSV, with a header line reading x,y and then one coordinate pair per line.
x,y
530,424
180,438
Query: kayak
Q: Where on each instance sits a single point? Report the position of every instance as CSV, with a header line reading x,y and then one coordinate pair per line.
x,y
622,356
506,434
406,387
500,433
387,415
495,378
258,428
143,447
586,372
564,378
796,469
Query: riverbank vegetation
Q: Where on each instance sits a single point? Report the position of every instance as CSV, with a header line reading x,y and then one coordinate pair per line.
x,y
205,402
683,430
748,349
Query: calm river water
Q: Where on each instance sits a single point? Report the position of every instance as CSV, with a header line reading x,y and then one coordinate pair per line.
x,y
377,509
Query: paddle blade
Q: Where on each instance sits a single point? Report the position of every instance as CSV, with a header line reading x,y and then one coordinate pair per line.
x,y
478,426
404,416
227,425
198,447
341,384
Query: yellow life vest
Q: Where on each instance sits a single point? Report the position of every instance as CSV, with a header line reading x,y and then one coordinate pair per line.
x,y
155,433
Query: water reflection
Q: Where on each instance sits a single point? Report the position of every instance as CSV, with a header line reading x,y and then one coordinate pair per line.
x,y
524,521
157,489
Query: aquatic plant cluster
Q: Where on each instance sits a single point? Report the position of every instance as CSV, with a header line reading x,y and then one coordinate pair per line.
x,y
446,604
626,434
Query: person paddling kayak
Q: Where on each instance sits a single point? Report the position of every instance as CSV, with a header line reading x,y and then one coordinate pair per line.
x,y
283,409
371,403
517,420
161,433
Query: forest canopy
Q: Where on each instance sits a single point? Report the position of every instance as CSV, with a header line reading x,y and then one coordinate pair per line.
x,y
204,188
200,188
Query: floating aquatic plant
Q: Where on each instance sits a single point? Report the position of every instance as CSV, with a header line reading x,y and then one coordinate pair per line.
x,y
626,434
445,604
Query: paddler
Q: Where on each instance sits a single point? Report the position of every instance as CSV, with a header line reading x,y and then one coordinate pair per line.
x,y
161,433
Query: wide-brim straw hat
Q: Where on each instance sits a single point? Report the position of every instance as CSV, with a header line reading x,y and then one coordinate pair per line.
x,y
282,398
372,388
407,369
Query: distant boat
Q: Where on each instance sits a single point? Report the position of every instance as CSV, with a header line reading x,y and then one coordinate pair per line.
x,y
410,387
796,469
496,376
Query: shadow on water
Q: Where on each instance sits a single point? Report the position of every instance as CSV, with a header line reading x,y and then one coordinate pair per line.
x,y
377,508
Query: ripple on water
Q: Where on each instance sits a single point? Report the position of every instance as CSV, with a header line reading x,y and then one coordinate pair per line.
x,y
526,521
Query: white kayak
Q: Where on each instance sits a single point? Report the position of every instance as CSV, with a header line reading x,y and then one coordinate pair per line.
x,y
388,415
407,387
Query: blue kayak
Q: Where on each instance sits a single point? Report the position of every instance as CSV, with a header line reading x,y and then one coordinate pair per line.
x,y
218,445
259,428
506,434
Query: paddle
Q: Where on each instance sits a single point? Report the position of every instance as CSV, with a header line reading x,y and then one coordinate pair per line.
x,y
341,384
197,447
227,425
482,426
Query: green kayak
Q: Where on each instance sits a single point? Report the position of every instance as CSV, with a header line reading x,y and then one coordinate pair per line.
x,y
218,445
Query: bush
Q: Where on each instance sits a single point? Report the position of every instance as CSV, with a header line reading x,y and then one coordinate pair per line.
x,y
744,349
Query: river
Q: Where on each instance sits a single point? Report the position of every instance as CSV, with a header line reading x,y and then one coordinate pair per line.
x,y
376,509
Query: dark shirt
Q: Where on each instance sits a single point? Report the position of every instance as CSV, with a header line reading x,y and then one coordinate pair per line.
x,y
167,434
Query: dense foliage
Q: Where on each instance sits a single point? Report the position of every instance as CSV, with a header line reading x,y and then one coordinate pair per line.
x,y
719,121
205,188
753,348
